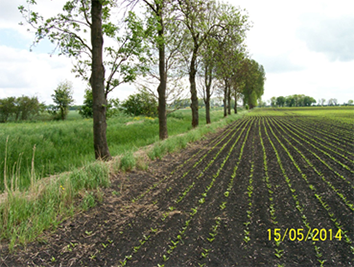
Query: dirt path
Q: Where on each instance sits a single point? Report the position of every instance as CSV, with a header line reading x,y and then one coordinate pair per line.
x,y
218,203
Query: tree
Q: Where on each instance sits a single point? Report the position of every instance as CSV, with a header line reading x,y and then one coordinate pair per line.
x,y
332,102
140,104
7,107
321,101
290,101
350,102
254,83
200,19
280,102
273,101
70,30
165,39
21,108
62,97
221,54
86,110
308,101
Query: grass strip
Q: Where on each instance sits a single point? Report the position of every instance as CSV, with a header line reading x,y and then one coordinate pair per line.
x,y
23,216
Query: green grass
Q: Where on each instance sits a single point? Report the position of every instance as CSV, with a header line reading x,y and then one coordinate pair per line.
x,y
66,145
342,113
23,216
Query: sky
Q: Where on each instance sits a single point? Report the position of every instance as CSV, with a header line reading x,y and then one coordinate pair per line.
x,y
306,47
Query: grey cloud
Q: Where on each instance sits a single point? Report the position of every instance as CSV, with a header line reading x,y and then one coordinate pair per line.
x,y
333,37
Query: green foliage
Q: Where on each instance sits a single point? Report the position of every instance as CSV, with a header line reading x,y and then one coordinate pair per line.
x,y
127,162
280,101
125,57
113,107
62,98
254,80
293,101
140,104
86,110
20,108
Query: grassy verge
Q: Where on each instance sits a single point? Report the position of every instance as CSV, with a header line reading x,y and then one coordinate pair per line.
x,y
25,214
62,146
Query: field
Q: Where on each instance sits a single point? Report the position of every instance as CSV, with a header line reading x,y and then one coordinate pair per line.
x,y
275,188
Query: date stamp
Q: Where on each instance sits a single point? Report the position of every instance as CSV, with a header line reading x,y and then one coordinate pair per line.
x,y
300,234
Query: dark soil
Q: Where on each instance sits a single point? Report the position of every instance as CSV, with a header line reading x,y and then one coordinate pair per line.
x,y
181,216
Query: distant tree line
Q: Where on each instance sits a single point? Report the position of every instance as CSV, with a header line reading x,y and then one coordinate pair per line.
x,y
142,103
292,101
20,108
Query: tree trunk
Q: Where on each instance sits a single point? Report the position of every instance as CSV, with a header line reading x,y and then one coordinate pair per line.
x,y
207,111
235,107
208,81
97,84
225,99
163,133
194,97
229,100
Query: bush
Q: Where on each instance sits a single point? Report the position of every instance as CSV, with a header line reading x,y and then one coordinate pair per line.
x,y
140,104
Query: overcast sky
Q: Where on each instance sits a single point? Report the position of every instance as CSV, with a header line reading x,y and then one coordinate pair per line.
x,y
306,47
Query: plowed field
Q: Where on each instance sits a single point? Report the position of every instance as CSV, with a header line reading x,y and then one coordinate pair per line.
x,y
275,191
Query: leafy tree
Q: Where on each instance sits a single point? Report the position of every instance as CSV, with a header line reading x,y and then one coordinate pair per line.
x,y
290,101
140,104
273,101
254,83
123,59
21,108
62,99
86,110
280,102
200,19
350,102
160,10
308,101
113,106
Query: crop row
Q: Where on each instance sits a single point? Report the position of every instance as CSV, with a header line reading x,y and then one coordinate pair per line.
x,y
222,206
297,202
312,143
313,189
350,205
148,234
214,144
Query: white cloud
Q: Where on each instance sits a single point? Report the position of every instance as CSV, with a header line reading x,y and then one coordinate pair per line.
x,y
23,72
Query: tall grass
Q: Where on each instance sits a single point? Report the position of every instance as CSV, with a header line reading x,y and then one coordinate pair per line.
x,y
24,215
65,145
